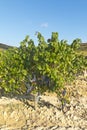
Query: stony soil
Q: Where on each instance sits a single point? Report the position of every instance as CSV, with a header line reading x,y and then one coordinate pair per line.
x,y
20,114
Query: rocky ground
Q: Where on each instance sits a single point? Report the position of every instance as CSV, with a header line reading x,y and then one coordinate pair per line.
x,y
20,114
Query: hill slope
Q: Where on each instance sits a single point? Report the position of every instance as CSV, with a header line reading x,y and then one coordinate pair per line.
x,y
83,49
4,46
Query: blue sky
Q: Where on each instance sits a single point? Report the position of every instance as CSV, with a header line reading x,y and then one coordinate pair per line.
x,y
19,18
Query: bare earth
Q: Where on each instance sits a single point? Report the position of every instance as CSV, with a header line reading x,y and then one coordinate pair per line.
x,y
47,115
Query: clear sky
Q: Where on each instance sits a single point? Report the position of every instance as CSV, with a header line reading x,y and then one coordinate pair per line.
x,y
19,18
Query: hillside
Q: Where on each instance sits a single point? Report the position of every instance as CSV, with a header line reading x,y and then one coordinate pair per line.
x,y
4,46
84,46
83,49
